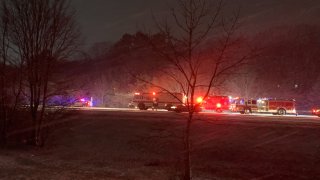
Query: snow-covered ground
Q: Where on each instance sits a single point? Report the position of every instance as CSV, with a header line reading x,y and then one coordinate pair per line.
x,y
129,144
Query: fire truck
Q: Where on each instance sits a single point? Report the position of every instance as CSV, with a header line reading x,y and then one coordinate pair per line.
x,y
217,103
264,105
164,100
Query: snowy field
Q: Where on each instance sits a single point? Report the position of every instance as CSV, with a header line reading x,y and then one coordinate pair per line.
x,y
129,144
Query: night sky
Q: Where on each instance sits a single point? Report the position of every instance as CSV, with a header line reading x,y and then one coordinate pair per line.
x,y
108,20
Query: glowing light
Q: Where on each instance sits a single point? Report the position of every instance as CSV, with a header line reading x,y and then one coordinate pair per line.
x,y
136,93
218,105
199,99
153,93
82,100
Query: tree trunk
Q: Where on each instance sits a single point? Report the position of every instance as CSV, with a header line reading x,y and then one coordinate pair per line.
x,y
187,160
3,124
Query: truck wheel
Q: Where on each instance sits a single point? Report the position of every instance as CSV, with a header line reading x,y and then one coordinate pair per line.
x,y
142,106
247,111
282,111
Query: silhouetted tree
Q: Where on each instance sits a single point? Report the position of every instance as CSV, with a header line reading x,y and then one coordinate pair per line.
x,y
200,50
4,99
43,32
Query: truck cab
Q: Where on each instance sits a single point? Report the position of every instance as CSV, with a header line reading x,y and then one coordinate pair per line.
x,y
247,106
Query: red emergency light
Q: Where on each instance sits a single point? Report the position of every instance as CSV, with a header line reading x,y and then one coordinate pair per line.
x,y
199,100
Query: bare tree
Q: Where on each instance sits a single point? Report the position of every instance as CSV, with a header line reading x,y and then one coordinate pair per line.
x,y
11,80
44,33
3,82
200,50
288,66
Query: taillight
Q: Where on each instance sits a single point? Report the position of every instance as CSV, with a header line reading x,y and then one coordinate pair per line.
x,y
218,105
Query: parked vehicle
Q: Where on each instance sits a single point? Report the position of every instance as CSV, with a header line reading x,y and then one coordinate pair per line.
x,y
162,100
81,103
184,108
217,103
274,106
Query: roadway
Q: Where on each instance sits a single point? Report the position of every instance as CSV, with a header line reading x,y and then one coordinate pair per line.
x,y
211,115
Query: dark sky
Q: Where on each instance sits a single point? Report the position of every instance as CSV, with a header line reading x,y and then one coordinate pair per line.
x,y
108,20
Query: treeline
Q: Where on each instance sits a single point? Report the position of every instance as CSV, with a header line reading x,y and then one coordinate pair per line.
x,y
286,67
108,71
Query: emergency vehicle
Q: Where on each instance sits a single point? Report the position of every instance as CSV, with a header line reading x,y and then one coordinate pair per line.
x,y
197,106
217,103
264,105
82,103
235,103
164,100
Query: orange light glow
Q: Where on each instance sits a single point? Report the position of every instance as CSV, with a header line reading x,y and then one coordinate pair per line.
x,y
153,93
218,105
199,99
136,93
